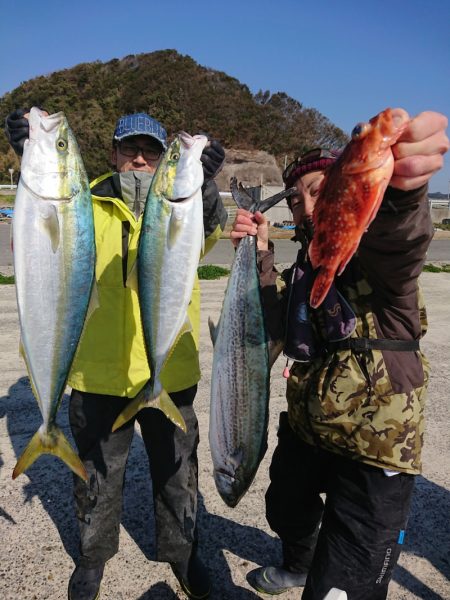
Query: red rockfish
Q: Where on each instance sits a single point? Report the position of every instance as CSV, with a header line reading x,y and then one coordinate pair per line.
x,y
349,198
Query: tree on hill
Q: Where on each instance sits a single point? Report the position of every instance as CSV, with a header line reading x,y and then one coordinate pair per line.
x,y
177,91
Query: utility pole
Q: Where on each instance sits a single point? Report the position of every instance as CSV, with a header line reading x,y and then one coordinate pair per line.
x,y
11,171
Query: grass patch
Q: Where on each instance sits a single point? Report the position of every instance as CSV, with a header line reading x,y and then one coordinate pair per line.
x,y
436,268
6,279
212,272
442,226
4,200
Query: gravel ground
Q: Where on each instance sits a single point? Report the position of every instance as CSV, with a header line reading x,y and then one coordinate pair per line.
x,y
38,530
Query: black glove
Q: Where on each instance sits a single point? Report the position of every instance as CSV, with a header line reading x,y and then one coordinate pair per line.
x,y
17,129
212,158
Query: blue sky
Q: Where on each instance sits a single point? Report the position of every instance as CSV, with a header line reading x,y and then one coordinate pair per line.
x,y
348,59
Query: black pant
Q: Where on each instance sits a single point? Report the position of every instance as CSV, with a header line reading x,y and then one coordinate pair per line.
x,y
362,521
173,465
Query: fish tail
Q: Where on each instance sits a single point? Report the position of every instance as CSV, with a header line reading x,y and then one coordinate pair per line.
x,y
145,399
53,442
322,284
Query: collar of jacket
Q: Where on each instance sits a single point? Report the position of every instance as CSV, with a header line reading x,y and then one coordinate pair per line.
x,y
107,188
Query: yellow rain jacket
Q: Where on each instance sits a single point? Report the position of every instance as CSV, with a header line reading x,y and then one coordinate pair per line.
x,y
111,357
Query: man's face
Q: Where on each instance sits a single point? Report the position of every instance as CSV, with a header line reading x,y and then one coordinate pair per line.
x,y
137,153
303,202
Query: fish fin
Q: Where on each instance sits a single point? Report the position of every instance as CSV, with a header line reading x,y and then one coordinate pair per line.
x,y
321,285
270,202
212,330
175,227
168,407
162,402
50,224
185,328
52,442
236,458
241,196
132,279
94,301
377,203
314,255
133,407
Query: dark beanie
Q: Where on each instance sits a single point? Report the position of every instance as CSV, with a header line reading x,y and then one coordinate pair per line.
x,y
313,160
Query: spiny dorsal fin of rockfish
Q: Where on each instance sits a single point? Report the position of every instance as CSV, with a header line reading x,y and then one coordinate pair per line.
x,y
162,402
244,200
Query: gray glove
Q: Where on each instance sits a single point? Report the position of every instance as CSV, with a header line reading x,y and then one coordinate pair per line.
x,y
17,129
212,158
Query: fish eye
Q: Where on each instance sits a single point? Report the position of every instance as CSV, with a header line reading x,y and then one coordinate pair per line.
x,y
360,130
61,144
175,156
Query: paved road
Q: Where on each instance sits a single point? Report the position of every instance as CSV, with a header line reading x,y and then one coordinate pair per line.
x,y
222,253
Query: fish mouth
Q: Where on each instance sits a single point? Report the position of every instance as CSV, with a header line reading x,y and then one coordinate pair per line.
x,y
187,139
228,487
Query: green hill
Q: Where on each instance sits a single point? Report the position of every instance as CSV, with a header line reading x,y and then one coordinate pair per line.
x,y
181,94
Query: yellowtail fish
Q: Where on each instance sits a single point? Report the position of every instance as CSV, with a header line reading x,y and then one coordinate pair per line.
x,y
54,260
170,246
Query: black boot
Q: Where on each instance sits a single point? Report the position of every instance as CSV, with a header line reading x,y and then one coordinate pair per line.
x,y
85,583
275,580
193,577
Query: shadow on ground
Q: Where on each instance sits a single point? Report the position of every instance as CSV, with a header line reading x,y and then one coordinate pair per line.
x,y
50,481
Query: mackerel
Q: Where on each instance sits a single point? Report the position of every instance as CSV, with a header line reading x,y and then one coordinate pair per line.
x,y
241,369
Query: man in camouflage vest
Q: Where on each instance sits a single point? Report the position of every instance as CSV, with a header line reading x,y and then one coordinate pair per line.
x,y
354,425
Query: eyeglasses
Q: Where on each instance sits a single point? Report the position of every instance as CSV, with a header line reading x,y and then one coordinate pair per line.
x,y
129,149
309,157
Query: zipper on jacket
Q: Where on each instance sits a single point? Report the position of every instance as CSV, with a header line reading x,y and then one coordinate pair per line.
x,y
137,198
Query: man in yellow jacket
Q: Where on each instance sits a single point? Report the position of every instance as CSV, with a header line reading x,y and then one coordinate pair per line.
x,y
111,367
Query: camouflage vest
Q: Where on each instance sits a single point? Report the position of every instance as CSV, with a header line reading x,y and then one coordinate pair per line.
x,y
349,403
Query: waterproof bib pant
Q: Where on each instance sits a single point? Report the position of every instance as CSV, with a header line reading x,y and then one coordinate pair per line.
x,y
173,466
363,518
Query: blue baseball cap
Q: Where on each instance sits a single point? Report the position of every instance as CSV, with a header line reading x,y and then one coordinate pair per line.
x,y
140,124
